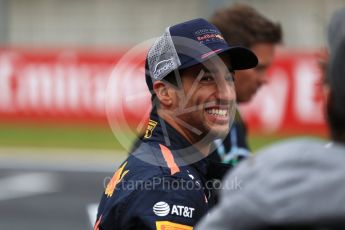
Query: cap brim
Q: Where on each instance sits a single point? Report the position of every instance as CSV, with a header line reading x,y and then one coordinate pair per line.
x,y
241,57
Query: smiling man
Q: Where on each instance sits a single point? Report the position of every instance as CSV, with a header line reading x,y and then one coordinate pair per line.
x,y
200,108
164,183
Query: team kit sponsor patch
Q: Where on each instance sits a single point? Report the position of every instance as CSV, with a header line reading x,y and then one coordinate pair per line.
x,y
162,67
150,127
167,225
115,180
163,209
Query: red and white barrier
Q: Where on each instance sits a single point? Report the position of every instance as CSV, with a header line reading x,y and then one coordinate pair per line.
x,y
65,85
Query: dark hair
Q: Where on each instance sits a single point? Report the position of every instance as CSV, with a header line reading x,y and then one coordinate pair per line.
x,y
242,25
172,78
336,99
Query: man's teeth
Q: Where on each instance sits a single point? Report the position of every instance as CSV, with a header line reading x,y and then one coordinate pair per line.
x,y
218,112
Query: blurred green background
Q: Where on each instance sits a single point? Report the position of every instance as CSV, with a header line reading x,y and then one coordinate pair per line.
x,y
96,136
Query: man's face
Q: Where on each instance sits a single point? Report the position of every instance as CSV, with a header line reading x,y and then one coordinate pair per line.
x,y
206,98
248,81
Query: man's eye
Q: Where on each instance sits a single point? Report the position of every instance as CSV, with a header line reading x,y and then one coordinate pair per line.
x,y
207,78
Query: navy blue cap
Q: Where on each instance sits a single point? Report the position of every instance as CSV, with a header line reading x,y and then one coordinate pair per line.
x,y
190,43
210,43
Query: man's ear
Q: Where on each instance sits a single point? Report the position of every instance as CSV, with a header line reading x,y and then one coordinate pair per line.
x,y
163,92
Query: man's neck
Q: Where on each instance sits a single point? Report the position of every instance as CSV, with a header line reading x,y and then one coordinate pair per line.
x,y
202,146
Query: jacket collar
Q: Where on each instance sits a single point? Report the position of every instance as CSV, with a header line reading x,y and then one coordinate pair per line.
x,y
160,131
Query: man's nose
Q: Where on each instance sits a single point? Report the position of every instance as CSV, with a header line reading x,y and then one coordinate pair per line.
x,y
226,91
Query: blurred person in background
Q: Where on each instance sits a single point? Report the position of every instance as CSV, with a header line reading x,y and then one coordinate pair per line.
x,y
163,183
243,25
297,184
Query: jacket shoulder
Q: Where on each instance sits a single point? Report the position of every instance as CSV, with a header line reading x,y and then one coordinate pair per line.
x,y
147,181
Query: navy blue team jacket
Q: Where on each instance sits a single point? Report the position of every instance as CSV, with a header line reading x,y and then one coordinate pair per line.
x,y
159,186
